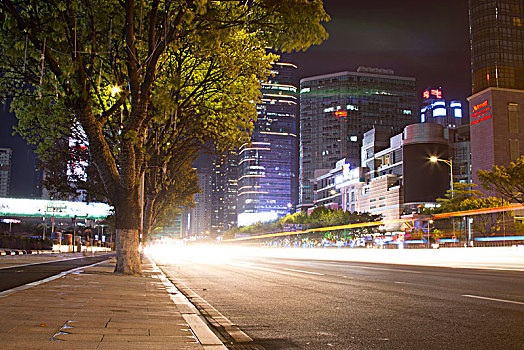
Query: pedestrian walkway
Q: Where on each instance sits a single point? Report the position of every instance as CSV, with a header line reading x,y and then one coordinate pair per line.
x,y
94,308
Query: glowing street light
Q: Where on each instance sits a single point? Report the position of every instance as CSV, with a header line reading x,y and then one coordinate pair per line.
x,y
115,90
434,159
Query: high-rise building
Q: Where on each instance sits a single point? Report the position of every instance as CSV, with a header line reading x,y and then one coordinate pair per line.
x,y
337,109
5,171
200,214
224,184
497,67
497,44
436,110
496,128
267,168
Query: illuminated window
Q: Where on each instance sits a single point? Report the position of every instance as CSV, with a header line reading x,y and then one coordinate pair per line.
x,y
457,113
353,138
439,112
517,22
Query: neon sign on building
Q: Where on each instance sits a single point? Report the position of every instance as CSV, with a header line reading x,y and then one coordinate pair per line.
x,y
437,93
481,112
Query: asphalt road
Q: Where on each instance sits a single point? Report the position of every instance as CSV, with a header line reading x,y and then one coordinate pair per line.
x,y
296,304
15,276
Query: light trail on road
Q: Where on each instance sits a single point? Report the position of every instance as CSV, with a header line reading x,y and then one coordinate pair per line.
x,y
381,223
298,298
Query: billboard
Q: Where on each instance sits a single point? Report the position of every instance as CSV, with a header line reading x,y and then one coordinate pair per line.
x,y
62,209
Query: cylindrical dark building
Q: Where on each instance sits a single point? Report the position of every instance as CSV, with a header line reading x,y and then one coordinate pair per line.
x,y
423,180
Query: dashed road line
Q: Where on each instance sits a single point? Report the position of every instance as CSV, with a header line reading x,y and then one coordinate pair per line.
x,y
493,299
302,271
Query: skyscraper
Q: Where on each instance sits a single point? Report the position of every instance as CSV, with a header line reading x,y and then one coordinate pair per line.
x,y
267,167
337,109
224,185
497,66
5,171
200,215
497,44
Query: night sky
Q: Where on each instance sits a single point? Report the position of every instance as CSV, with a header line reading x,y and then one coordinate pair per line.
x,y
427,40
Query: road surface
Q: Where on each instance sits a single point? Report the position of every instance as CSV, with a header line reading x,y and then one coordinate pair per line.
x,y
296,304
27,272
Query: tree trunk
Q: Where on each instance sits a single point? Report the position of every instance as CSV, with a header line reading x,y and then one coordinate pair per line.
x,y
127,215
148,215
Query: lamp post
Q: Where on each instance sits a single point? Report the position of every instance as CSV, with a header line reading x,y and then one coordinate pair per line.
x,y
449,162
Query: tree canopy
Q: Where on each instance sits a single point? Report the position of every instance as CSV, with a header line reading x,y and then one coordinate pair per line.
x,y
508,181
319,217
146,83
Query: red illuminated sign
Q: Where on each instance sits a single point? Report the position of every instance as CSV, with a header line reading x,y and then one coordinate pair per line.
x,y
340,114
481,112
480,105
433,92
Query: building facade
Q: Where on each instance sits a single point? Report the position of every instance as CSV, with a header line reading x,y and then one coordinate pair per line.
x,y
224,185
497,67
497,44
401,178
496,128
200,214
267,168
337,109
5,171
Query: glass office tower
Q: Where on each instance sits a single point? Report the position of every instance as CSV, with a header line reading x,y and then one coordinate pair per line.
x,y
337,109
497,44
267,178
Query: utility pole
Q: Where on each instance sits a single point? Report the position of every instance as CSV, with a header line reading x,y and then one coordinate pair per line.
x,y
74,232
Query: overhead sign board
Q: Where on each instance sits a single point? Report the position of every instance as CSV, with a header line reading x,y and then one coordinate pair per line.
x,y
64,209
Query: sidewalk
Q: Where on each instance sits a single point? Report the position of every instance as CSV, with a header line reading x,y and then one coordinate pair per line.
x,y
93,308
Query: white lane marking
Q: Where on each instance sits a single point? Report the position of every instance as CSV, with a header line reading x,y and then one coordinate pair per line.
x,y
368,267
48,279
302,271
493,299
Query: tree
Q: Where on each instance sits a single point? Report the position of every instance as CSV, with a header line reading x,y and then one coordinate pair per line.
x,y
508,181
111,67
488,224
461,191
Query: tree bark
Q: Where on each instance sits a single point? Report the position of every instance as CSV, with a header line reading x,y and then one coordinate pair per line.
x,y
127,215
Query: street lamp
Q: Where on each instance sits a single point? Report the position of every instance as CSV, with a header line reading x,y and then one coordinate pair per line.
x,y
449,162
434,159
